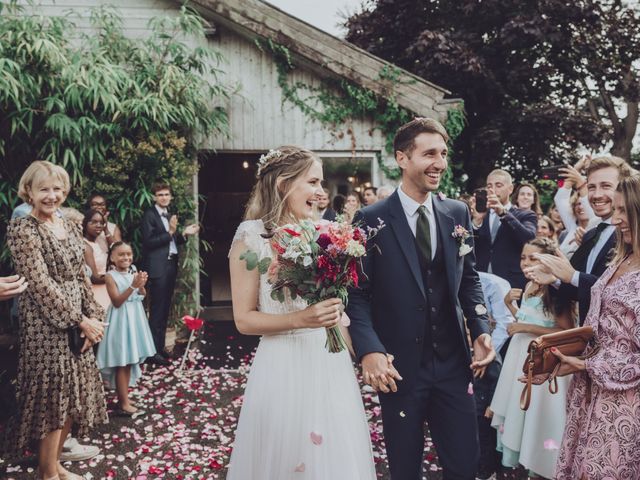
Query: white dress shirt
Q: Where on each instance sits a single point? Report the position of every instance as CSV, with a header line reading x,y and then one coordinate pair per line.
x,y
595,251
173,249
410,207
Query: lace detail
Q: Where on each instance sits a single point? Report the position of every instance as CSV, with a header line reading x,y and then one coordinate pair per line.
x,y
250,232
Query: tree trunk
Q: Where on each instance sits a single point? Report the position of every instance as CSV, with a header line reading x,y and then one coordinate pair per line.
x,y
623,137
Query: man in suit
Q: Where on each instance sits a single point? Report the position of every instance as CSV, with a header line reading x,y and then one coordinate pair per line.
x,y
417,286
574,278
325,212
502,231
370,196
160,240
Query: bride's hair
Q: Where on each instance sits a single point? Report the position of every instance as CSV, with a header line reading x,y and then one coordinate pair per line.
x,y
277,170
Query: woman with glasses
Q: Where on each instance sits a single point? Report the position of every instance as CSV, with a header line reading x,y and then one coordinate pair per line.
x,y
95,256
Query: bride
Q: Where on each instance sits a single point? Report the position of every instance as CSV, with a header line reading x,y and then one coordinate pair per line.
x,y
302,414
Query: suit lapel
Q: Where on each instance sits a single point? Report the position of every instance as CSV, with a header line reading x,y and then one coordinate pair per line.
x,y
604,251
446,224
404,235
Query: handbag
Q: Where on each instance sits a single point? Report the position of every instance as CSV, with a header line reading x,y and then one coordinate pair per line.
x,y
76,340
540,360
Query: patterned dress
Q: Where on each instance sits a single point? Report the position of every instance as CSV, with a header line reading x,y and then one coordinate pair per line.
x,y
53,384
602,433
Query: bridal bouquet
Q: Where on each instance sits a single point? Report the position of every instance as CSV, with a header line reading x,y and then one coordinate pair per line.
x,y
315,262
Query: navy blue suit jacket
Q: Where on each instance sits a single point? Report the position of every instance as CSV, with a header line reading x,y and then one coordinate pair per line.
x,y
582,294
155,243
388,310
517,227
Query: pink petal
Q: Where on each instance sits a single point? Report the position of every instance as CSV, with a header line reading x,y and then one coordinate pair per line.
x,y
551,444
299,467
470,389
345,320
316,438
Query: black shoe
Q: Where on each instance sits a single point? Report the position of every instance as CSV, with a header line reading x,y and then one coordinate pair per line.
x,y
158,360
166,354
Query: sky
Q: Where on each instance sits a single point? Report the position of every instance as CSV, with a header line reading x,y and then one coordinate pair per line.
x,y
324,14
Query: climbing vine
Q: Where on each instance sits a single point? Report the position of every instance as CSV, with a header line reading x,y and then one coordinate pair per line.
x,y
334,102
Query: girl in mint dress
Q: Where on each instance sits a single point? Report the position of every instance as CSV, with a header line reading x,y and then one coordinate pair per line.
x,y
530,438
127,340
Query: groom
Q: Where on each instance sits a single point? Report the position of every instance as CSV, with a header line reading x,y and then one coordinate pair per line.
x,y
417,287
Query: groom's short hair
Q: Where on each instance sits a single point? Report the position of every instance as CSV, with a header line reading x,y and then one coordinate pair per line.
x,y
404,141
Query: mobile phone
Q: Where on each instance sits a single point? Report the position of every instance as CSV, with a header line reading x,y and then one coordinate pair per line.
x,y
552,172
481,200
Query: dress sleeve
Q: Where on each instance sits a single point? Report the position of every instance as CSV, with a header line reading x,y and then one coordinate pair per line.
x,y
619,368
249,232
25,245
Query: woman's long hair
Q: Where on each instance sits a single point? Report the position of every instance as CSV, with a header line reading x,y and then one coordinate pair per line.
x,y
535,206
630,189
550,305
276,173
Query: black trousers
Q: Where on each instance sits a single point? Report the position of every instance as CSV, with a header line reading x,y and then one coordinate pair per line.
x,y
441,398
160,290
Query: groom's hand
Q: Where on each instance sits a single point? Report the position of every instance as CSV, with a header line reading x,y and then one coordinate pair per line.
x,y
483,355
379,372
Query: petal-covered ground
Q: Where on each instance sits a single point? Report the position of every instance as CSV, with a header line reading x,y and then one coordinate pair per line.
x,y
186,430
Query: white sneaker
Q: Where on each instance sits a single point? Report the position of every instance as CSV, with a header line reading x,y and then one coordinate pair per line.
x,y
72,451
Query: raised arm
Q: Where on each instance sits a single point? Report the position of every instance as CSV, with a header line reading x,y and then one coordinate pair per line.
x,y
524,225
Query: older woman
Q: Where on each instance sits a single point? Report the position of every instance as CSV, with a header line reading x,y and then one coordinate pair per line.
x,y
56,388
602,432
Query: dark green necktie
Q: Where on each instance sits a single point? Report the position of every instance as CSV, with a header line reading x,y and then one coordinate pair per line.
x,y
423,236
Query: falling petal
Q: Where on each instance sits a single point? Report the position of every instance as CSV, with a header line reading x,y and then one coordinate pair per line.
x,y
299,468
470,389
402,414
551,444
316,438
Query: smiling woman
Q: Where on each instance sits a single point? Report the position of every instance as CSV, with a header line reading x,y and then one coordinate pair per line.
x,y
55,386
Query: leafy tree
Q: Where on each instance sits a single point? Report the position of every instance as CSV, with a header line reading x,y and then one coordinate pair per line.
x,y
539,78
118,113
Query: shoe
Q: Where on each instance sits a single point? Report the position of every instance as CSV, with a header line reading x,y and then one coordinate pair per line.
x,y
72,451
166,354
70,476
490,477
158,360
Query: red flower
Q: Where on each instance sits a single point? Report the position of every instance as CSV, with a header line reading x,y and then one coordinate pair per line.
x,y
561,183
324,240
293,233
192,323
353,273
327,269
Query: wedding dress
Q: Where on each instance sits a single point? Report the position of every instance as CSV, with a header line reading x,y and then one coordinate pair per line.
x,y
302,415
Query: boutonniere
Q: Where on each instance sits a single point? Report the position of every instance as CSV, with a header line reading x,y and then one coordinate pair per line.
x,y
461,234
441,196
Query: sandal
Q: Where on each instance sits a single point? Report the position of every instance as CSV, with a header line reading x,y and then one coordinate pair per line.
x,y
69,476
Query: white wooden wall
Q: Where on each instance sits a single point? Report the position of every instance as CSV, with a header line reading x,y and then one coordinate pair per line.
x,y
258,118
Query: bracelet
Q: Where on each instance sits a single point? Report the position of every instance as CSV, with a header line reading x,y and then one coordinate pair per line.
x,y
580,186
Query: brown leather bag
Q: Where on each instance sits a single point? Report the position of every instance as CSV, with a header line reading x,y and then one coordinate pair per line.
x,y
540,360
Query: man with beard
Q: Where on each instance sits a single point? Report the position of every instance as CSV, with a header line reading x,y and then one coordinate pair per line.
x,y
574,278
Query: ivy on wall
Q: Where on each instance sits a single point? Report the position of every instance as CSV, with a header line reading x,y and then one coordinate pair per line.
x,y
335,102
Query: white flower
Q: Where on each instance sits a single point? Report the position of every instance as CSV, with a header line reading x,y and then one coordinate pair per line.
x,y
481,309
355,249
307,260
464,249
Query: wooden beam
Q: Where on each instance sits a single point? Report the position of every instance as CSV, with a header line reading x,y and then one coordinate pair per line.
x,y
324,53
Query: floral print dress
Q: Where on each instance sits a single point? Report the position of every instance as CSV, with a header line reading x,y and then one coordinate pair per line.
x,y
53,384
602,433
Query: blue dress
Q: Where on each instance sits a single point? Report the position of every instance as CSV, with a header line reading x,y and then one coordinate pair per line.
x,y
528,438
127,339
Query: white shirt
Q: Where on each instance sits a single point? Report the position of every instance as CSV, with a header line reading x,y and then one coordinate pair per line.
x,y
595,251
410,207
495,289
173,249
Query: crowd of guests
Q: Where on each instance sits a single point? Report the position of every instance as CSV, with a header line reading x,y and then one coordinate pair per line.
x,y
576,264
82,323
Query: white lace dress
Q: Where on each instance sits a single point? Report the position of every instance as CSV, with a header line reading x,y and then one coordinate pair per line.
x,y
302,415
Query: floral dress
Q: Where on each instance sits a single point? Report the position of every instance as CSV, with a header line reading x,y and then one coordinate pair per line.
x,y
53,384
602,434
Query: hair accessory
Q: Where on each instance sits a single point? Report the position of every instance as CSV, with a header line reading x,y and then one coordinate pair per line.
x,y
266,159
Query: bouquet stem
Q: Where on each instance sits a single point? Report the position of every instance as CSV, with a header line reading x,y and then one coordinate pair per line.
x,y
335,341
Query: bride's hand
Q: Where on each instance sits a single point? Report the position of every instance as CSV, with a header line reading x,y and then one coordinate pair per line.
x,y
322,314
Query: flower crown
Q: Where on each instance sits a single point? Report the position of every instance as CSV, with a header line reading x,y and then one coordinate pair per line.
x,y
266,159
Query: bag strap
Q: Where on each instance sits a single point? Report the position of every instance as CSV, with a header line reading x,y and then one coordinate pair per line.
x,y
553,380
525,396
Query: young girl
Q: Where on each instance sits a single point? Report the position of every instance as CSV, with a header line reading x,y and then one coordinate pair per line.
x,y
530,438
94,255
127,339
302,414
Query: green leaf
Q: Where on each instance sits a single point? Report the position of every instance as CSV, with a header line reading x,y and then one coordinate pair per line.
x,y
251,258
263,265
